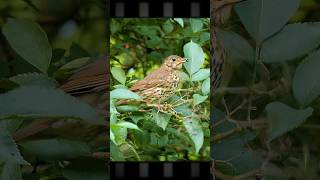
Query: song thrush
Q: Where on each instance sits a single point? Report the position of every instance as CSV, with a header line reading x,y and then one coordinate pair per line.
x,y
161,83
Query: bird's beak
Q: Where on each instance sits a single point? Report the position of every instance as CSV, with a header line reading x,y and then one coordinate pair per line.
x,y
184,60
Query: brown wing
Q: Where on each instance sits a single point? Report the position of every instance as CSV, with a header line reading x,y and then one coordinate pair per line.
x,y
156,78
93,76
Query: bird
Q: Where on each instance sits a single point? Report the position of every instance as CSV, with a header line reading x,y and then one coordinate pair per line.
x,y
161,83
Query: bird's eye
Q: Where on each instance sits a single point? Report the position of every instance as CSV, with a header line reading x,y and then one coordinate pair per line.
x,y
173,59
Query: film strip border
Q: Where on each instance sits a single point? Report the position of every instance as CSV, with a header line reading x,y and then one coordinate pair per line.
x,y
160,170
159,8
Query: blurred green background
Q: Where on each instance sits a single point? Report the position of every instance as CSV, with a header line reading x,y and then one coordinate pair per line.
x,y
73,27
46,133
266,113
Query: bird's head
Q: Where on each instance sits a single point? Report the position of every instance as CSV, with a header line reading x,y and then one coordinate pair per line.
x,y
174,62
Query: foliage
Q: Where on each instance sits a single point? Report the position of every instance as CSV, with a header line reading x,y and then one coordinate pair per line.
x,y
268,115
139,132
46,133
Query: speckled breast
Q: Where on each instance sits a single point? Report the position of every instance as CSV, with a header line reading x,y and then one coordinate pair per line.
x,y
160,93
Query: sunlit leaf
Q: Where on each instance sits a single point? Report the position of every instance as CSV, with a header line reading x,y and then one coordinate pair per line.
x,y
127,108
195,56
128,125
123,94
206,86
120,133
198,99
112,138
119,74
306,81
262,18
29,41
179,21
201,75
284,118
195,132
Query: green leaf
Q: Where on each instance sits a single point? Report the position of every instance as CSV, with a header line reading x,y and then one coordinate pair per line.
x,y
128,108
238,49
124,94
233,146
112,137
119,74
195,132
84,169
120,133
206,86
115,26
196,24
179,21
9,150
153,42
306,80
34,79
35,102
29,41
234,150
253,161
129,151
201,75
11,125
204,37
155,140
125,59
76,63
128,125
284,118
198,99
56,148
184,76
306,38
10,171
161,119
262,18
167,27
115,153
183,110
195,56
